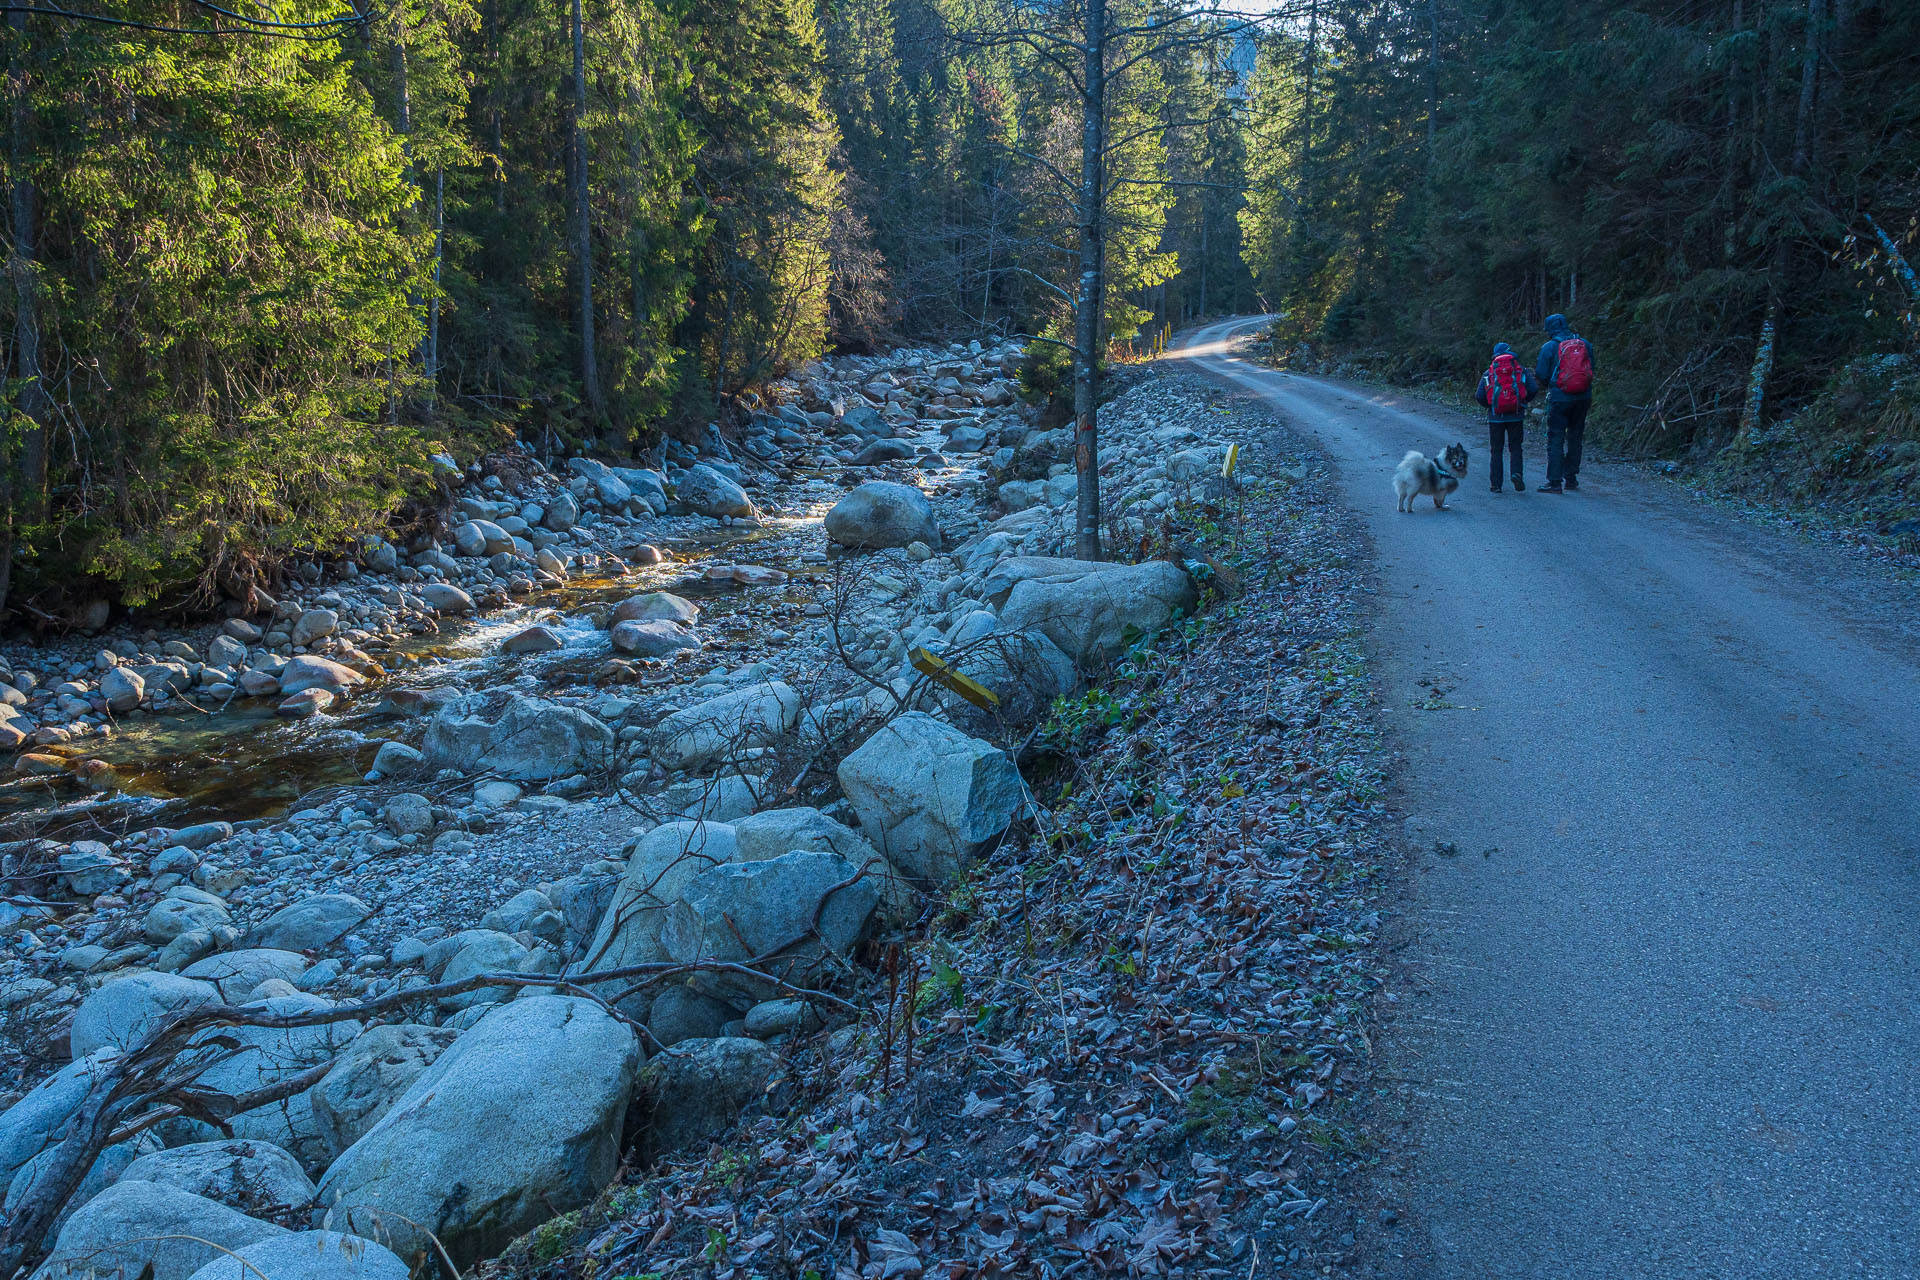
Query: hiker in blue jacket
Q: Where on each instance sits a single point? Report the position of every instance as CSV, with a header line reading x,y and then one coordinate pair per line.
x,y
1505,388
1566,371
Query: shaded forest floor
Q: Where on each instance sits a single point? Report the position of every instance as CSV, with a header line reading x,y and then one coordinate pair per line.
x,y
1135,1038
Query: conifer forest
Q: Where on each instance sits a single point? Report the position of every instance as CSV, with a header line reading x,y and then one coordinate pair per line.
x,y
766,640
259,271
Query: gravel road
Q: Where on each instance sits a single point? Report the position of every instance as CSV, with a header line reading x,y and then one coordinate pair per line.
x,y
1658,1007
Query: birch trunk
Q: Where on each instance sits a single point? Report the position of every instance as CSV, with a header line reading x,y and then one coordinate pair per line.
x,y
583,214
1092,286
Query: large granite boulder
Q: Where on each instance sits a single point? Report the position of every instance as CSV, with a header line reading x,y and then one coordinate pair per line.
x,y
880,513
539,740
123,1012
245,1059
254,1177
929,796
664,862
30,1125
312,924
1091,616
374,1073
790,913
706,492
147,1231
307,1255
696,1092
657,606
707,732
519,1121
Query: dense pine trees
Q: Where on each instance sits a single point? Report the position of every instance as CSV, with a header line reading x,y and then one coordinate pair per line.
x,y
1693,183
256,275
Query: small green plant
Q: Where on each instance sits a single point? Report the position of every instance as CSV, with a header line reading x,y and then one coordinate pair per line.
x,y
551,1239
943,988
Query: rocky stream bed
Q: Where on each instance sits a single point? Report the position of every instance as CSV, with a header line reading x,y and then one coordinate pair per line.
x,y
382,923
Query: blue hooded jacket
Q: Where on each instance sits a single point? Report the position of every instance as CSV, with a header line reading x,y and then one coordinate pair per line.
x,y
1557,330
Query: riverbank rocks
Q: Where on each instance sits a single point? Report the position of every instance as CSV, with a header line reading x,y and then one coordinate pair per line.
x,y
535,639
706,492
408,814
696,1092
312,924
148,1231
880,513
657,606
706,732
243,1059
481,538
518,1121
656,639
456,740
663,863
777,831
122,689
370,1077
397,759
304,704
88,868
1024,669
106,1170
314,624
929,796
254,1177
741,911
444,597
310,671
29,1125
307,1255
1087,612
536,740
122,1012
236,973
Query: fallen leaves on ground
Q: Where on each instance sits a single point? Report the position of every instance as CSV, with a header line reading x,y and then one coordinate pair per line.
x,y
1124,1045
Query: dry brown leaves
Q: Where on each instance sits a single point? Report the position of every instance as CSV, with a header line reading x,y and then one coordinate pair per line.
x,y
1134,1030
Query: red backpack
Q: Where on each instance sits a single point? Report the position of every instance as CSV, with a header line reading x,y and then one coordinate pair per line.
x,y
1573,367
1506,385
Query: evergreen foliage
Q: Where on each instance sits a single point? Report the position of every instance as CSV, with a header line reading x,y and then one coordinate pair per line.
x,y
1432,176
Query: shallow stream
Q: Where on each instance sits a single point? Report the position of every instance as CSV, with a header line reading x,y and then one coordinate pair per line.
x,y
241,761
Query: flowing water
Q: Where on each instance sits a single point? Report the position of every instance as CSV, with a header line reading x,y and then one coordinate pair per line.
x,y
242,762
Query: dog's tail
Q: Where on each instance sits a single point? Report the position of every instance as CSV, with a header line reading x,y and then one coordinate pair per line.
x,y
1413,459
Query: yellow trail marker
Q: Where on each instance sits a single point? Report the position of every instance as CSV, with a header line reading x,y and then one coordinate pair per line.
x,y
1233,459
931,665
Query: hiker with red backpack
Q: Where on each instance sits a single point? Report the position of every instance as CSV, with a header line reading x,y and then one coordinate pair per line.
x,y
1505,388
1566,370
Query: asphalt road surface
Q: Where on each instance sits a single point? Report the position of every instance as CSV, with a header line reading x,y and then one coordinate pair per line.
x,y
1658,1014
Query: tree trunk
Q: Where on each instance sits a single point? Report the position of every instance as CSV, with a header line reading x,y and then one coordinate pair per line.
x,y
1797,163
1092,287
430,345
1203,256
1303,183
1433,75
583,214
24,485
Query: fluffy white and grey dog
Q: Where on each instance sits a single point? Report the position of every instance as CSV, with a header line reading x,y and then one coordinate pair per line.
x,y
1418,474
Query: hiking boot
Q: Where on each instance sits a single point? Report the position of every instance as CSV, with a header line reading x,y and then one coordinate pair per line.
x,y
1551,488
1573,482
1518,485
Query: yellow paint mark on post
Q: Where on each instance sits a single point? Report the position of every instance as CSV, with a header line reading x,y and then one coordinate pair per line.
x,y
1232,460
935,668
